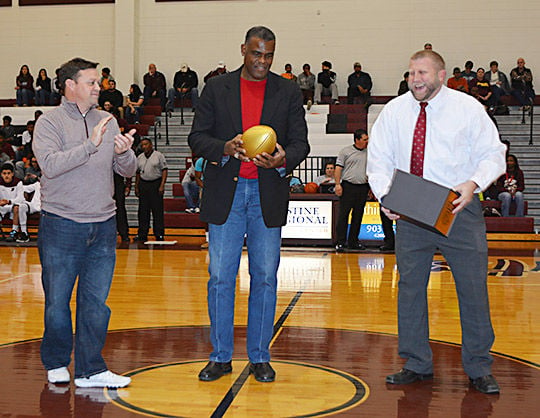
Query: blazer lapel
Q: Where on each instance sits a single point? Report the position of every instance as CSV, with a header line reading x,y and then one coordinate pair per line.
x,y
234,105
271,99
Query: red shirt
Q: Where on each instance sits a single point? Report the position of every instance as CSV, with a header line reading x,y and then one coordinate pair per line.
x,y
252,99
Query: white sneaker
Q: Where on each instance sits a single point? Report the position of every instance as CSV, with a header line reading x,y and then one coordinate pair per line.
x,y
106,379
58,375
196,210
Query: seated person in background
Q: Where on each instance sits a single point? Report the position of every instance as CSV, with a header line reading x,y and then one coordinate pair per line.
x,y
498,82
155,85
134,104
105,78
112,95
306,81
6,150
55,89
360,84
326,83
29,205
468,72
328,176
8,130
32,171
43,88
11,192
24,84
522,87
288,73
427,45
510,187
185,85
221,69
191,190
458,82
484,92
404,84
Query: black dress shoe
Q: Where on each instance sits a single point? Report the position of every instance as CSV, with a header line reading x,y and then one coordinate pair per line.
x,y
263,372
340,248
386,247
214,370
405,376
160,238
140,239
485,384
356,246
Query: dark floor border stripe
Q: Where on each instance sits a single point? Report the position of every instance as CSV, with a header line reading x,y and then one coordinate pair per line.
x,y
237,385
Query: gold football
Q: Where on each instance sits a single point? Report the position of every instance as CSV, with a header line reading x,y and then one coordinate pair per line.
x,y
259,139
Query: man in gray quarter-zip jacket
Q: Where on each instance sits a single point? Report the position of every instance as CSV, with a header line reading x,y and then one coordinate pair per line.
x,y
78,148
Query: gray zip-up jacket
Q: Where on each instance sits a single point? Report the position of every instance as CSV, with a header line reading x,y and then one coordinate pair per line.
x,y
77,176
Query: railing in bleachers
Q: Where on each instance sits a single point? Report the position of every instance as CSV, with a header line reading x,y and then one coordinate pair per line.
x,y
311,168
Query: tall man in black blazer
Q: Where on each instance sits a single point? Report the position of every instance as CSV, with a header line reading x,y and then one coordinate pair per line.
x,y
246,198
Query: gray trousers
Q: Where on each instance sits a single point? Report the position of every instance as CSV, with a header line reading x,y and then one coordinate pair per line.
x,y
465,250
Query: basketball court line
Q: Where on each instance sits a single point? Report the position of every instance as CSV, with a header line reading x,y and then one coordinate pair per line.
x,y
241,380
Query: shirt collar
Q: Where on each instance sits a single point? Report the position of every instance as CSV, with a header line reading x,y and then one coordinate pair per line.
x,y
433,104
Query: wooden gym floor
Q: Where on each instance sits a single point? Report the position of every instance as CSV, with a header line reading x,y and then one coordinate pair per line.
x,y
335,340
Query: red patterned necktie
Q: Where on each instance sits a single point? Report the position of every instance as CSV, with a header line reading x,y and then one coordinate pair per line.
x,y
419,142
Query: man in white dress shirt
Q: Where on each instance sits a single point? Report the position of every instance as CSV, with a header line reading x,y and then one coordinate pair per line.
x,y
462,152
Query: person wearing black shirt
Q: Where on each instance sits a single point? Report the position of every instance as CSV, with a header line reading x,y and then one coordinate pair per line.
x,y
360,85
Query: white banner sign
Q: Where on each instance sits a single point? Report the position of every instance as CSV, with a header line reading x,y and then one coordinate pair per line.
x,y
308,219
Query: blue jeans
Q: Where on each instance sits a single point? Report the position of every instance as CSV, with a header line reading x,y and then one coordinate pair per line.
x,y
506,199
68,249
191,193
225,247
43,97
175,94
24,96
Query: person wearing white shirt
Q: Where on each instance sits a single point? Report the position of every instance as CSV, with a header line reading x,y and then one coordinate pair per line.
x,y
462,152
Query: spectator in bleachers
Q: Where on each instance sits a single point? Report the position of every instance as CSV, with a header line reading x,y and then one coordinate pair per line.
x,y
37,114
288,73
458,82
56,93
24,86
26,142
8,130
306,81
11,192
404,84
43,88
32,171
522,87
6,150
220,70
498,82
328,176
134,104
155,85
105,78
191,190
468,72
427,45
112,95
326,83
360,84
483,88
185,85
149,188
510,187
30,204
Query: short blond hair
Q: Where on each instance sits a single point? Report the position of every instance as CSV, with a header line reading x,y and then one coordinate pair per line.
x,y
436,58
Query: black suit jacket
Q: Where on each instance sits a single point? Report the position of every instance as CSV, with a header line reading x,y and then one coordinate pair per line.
x,y
218,119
